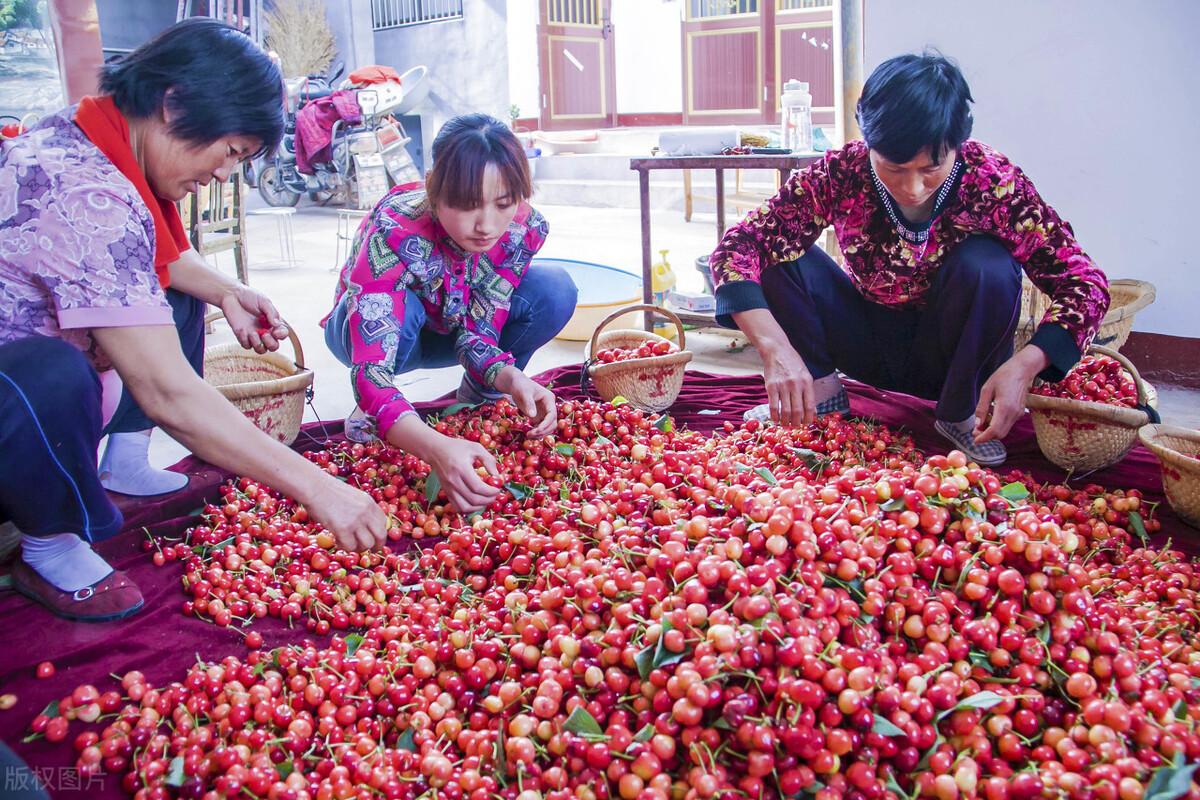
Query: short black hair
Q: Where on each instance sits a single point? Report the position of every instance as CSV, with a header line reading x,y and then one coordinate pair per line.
x,y
462,151
915,101
214,78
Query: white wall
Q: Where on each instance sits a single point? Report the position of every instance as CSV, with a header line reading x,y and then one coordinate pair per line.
x,y
1096,101
523,56
649,61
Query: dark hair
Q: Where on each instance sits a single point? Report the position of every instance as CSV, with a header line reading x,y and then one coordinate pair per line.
x,y
911,102
462,151
214,78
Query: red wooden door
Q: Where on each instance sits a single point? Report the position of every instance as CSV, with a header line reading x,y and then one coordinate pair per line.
x,y
737,54
804,50
577,76
724,52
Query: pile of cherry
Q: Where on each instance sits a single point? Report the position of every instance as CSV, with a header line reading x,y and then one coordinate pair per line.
x,y
650,613
1096,379
646,349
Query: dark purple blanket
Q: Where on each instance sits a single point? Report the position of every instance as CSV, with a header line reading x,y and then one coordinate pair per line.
x,y
162,643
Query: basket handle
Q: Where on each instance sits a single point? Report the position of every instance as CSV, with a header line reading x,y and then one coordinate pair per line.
x,y
217,314
1138,381
638,307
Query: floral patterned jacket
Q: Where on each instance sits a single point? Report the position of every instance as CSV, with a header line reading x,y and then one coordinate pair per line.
x,y
994,197
400,248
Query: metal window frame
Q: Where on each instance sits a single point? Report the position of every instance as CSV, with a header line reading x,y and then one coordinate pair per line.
x,y
386,15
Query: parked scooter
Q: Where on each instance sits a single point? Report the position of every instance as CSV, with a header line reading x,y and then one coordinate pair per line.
x,y
280,182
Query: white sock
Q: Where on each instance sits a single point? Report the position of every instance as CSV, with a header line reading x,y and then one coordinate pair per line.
x,y
125,467
64,560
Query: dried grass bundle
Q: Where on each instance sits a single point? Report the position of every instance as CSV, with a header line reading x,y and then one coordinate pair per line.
x,y
298,32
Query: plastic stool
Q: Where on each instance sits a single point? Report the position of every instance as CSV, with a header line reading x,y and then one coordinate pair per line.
x,y
347,227
283,229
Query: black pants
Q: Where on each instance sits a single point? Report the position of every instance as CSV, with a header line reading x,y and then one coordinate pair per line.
x,y
944,351
189,322
49,427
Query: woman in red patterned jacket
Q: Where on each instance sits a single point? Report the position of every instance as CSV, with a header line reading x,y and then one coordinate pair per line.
x,y
936,229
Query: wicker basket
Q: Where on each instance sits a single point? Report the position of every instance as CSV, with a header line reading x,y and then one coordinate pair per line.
x,y
1127,298
650,383
269,388
1083,435
1180,472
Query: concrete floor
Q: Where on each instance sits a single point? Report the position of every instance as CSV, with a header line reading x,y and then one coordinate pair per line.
x,y
303,293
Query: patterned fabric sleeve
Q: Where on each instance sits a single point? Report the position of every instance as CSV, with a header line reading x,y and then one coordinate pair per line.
x,y
1045,244
375,318
477,343
100,269
780,230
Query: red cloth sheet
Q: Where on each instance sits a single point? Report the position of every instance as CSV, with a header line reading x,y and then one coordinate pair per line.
x,y
162,643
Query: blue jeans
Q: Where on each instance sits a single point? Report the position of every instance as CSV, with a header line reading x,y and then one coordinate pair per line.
x,y
541,306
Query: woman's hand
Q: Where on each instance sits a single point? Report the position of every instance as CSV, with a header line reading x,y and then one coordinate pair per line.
x,y
454,461
789,387
534,400
1002,398
253,318
354,518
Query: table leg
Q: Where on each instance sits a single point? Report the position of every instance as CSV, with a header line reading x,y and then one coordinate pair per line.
x,y
687,195
720,179
647,278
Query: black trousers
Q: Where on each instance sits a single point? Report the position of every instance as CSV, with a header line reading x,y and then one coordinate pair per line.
x,y
49,427
944,351
188,313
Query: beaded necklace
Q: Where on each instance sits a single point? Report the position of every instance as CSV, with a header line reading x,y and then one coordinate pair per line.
x,y
916,237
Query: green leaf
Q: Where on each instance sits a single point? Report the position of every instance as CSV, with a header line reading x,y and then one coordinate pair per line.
x,y
564,493
285,768
645,734
565,449
407,741
457,407
353,642
1043,634
982,700
895,504
51,709
884,726
645,661
740,467
895,787
603,440
619,400
1139,527
1171,781
582,723
1180,711
1014,492
664,424
519,491
175,776
260,668
767,476
433,485
980,660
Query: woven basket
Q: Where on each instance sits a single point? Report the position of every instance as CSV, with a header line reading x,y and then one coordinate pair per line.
x,y
1180,472
1127,297
269,388
1083,435
650,383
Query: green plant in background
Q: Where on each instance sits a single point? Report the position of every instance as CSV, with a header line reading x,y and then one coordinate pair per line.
x,y
514,113
21,13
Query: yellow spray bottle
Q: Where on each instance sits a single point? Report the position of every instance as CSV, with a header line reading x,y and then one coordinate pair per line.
x,y
662,281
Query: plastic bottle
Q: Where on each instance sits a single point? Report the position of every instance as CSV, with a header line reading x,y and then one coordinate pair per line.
x,y
662,281
796,117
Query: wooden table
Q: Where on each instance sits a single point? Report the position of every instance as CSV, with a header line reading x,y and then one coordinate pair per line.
x,y
786,164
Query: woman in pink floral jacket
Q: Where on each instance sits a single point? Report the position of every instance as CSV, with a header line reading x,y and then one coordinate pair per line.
x,y
936,229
